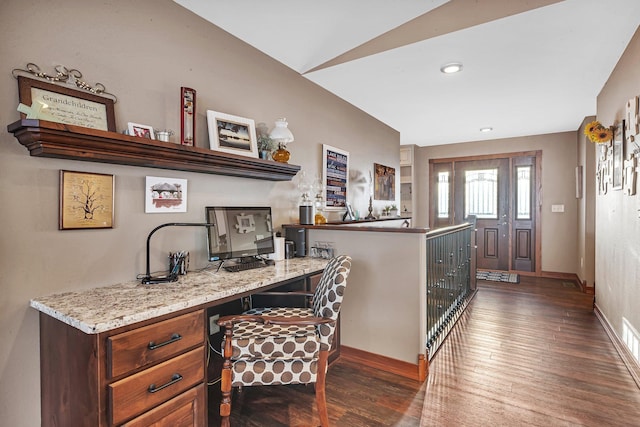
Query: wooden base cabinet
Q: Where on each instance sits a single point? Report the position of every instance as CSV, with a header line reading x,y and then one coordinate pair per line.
x,y
153,374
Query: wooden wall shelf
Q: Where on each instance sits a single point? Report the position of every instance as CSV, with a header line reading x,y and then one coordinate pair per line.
x,y
57,140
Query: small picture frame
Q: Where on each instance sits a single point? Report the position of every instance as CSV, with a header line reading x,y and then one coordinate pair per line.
x,y
232,134
86,200
188,117
165,195
141,131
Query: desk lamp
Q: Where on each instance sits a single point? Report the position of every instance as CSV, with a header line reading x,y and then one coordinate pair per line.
x,y
173,275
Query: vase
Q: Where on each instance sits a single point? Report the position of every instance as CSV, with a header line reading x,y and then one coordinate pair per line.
x,y
281,154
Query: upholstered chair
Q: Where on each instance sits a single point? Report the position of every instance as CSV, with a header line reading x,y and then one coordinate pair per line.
x,y
278,346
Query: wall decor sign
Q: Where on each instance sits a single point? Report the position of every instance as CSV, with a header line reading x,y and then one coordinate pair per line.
x,y
188,118
384,182
232,134
335,176
66,105
141,131
617,166
86,200
165,195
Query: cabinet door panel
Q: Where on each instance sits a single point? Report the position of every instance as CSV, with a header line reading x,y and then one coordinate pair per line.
x,y
143,346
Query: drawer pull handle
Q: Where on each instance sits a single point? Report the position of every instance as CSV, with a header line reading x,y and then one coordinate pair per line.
x,y
174,379
175,337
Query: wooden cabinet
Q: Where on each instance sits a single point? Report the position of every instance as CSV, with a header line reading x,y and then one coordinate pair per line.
x,y
406,155
136,376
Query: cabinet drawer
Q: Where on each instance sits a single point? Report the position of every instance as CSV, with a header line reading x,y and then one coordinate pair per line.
x,y
140,392
184,410
143,346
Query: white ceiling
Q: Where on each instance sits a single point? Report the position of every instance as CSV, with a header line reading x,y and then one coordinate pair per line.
x,y
530,67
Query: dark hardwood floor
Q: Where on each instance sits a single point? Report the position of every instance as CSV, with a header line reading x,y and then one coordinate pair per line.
x,y
528,354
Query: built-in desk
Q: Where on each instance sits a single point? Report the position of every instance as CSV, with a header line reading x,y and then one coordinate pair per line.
x,y
136,355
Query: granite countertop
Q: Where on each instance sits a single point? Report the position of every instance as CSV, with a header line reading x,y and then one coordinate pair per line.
x,y
104,308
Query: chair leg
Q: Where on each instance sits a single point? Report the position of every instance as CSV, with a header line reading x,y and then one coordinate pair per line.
x,y
321,399
225,382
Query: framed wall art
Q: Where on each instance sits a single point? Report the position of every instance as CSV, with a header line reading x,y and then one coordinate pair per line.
x,y
66,105
188,117
232,134
335,177
142,131
86,200
617,167
384,182
165,195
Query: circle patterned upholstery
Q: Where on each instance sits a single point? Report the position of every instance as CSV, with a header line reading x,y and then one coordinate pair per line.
x,y
276,354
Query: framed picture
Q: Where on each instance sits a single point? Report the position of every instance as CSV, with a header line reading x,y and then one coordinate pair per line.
x,y
617,167
384,182
165,195
188,118
67,105
335,177
142,131
232,134
86,200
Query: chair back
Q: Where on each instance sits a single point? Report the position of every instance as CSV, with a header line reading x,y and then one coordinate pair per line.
x,y
327,298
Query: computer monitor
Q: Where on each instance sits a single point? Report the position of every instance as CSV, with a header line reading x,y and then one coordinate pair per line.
x,y
239,232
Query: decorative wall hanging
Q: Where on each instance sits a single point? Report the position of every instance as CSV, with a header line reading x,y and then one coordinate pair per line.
x,y
165,195
335,176
232,134
86,200
629,188
188,117
64,98
384,182
603,172
618,156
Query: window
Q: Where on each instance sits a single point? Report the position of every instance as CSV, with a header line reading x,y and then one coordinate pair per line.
x,y
481,193
443,194
523,192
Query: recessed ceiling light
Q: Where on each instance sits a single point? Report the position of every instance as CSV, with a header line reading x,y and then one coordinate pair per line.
x,y
487,129
452,67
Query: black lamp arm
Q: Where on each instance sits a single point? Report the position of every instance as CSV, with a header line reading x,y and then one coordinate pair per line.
x,y
147,279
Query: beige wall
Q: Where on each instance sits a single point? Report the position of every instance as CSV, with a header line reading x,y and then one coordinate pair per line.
x,y
143,51
559,157
617,216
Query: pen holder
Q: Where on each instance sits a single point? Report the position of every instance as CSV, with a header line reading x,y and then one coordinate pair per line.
x,y
178,262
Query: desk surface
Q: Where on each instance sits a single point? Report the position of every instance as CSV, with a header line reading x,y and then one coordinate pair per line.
x,y
105,308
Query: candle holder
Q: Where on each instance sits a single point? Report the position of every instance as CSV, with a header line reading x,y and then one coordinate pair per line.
x,y
370,215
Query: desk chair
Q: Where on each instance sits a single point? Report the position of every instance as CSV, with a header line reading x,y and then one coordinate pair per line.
x,y
277,346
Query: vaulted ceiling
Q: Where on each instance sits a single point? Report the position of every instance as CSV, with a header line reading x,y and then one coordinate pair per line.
x,y
529,66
